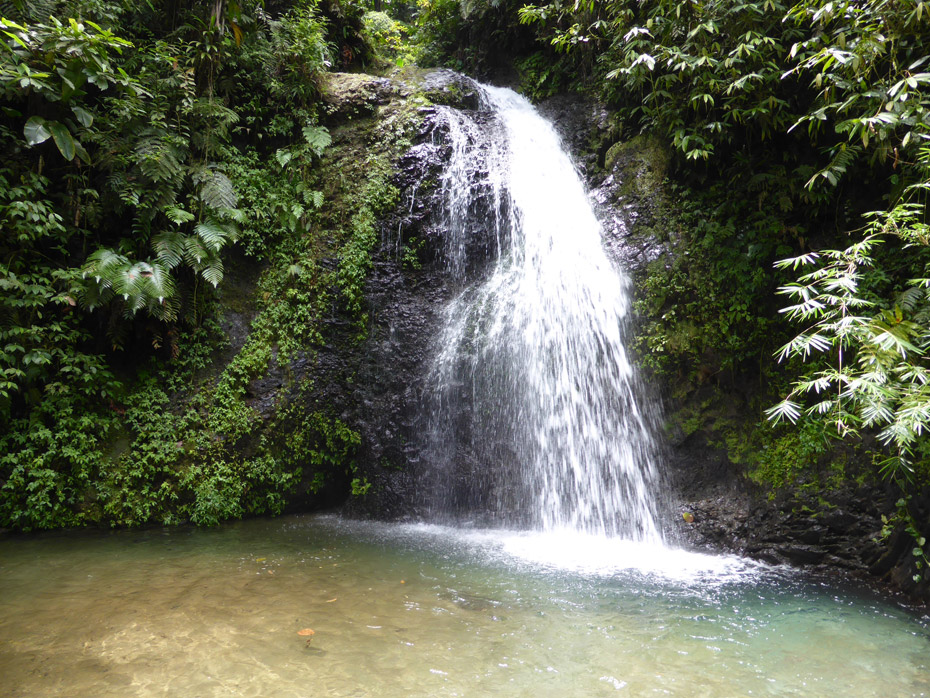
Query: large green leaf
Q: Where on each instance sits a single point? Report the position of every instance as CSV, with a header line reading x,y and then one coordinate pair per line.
x,y
63,139
178,215
82,153
217,191
83,116
317,138
213,272
169,246
214,234
36,130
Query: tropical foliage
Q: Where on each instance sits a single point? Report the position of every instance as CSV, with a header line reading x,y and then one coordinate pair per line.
x,y
141,142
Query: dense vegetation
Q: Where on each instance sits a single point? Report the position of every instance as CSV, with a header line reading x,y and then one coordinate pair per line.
x,y
145,141
141,143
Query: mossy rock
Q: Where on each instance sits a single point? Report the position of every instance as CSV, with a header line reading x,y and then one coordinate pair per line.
x,y
643,162
349,95
448,88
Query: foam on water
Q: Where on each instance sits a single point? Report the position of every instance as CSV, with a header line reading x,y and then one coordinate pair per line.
x,y
569,550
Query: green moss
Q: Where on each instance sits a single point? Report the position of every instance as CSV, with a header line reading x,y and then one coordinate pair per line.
x,y
791,458
648,157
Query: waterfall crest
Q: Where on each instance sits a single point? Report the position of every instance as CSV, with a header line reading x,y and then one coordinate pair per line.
x,y
532,407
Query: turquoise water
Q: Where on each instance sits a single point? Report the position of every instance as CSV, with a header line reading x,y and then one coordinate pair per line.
x,y
413,610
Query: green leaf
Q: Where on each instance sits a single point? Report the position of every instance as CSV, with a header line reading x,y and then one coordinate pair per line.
x,y
213,273
283,156
177,215
36,131
213,234
785,410
16,38
63,139
82,153
169,247
317,138
83,116
217,191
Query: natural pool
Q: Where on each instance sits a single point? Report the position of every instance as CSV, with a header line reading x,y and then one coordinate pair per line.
x,y
413,610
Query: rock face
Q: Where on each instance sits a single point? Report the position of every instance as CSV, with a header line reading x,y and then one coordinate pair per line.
x,y
405,293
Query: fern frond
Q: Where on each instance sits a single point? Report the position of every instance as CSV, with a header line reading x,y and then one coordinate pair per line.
x,y
158,157
28,10
317,138
169,247
170,309
236,214
158,284
213,234
104,266
195,251
213,273
217,191
177,215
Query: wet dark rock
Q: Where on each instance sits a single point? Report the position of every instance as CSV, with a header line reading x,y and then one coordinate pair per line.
x,y
447,87
236,299
584,126
631,203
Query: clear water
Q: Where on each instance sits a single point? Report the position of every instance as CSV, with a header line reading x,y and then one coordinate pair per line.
x,y
535,416
430,611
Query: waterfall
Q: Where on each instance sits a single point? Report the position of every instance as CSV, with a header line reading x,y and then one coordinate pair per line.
x,y
533,415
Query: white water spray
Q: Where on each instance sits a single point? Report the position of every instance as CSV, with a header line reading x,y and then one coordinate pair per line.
x,y
534,412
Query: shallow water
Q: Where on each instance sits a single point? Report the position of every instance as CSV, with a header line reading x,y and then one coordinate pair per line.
x,y
411,610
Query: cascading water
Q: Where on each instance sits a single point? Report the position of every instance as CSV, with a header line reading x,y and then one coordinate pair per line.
x,y
532,405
